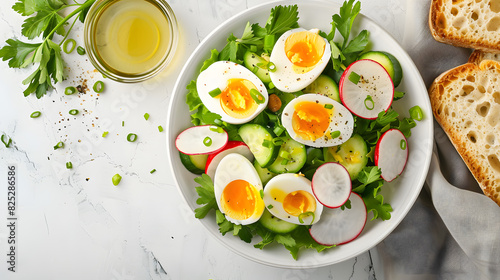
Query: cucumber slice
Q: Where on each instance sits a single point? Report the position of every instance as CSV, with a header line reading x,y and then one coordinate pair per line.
x,y
275,224
390,63
351,154
326,86
264,173
254,135
252,60
194,163
297,157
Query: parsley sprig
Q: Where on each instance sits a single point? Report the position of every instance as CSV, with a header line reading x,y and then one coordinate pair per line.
x,y
43,19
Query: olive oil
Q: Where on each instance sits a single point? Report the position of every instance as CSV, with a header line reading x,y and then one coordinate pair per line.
x,y
132,36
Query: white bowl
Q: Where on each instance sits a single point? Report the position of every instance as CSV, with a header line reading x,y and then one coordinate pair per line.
x,y
401,193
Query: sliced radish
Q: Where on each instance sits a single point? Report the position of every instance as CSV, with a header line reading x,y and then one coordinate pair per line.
x,y
204,139
331,184
391,154
366,89
237,147
338,226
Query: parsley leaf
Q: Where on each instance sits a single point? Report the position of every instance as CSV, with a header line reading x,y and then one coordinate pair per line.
x,y
206,196
282,19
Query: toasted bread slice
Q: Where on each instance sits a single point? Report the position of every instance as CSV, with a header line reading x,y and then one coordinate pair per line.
x,y
466,23
466,103
477,56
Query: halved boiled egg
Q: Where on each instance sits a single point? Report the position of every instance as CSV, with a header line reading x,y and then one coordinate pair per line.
x,y
318,121
238,188
232,91
299,56
290,197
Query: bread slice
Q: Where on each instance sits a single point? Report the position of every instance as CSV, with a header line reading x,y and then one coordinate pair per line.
x,y
466,103
477,56
466,23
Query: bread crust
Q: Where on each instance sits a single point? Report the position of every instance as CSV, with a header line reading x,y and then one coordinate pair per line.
x,y
466,103
446,23
477,56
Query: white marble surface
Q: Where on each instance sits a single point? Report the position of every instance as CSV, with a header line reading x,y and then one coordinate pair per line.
x,y
74,224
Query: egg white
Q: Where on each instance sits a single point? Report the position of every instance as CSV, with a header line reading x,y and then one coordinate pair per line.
x,y
216,76
237,167
285,78
288,183
341,120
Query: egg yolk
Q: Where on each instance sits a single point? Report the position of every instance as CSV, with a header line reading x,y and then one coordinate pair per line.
x,y
240,200
236,100
310,120
298,202
304,49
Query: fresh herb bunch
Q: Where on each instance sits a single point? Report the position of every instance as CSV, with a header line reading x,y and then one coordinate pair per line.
x,y
43,20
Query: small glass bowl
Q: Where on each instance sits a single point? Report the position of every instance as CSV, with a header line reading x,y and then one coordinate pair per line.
x,y
90,29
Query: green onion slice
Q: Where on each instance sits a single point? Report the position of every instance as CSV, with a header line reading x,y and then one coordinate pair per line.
x,y
73,112
215,92
105,133
270,206
266,143
253,48
278,130
284,154
271,85
369,104
69,165
116,179
146,116
6,142
416,113
402,144
131,137
152,171
328,106
80,50
284,161
160,128
277,141
71,42
59,145
306,214
69,90
271,67
217,129
354,78
35,114
335,134
207,141
98,86
257,96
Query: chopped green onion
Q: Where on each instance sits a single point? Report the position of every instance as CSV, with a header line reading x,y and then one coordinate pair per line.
x,y
116,179
402,144
335,134
215,92
284,161
271,67
253,48
398,95
369,104
207,141
269,41
217,129
266,143
270,206
277,141
35,114
73,112
261,192
68,42
306,214
69,90
218,122
69,165
272,117
131,137
123,123
278,130
416,113
80,50
255,69
354,78
160,128
271,85
328,106
152,171
6,142
59,145
98,86
257,96
146,116
105,133
284,154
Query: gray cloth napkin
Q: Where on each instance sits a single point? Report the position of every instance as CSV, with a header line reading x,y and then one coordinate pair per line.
x,y
453,230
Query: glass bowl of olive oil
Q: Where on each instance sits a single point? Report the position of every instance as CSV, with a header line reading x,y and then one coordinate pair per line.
x,y
130,40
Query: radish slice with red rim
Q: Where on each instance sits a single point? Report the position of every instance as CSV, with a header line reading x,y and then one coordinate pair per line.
x,y
338,226
204,139
331,184
391,154
366,89
237,147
